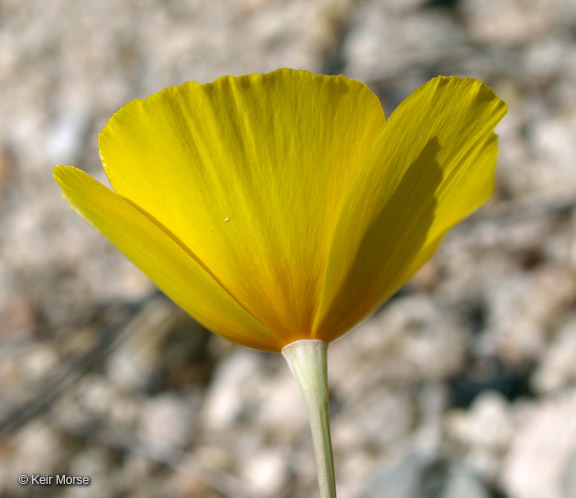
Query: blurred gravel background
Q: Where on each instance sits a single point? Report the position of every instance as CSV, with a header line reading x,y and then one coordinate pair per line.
x,y
463,386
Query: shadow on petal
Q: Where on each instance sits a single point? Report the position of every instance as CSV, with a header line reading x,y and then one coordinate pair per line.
x,y
389,246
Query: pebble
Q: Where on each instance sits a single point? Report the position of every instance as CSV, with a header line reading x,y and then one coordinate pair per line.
x,y
540,456
167,420
557,371
225,403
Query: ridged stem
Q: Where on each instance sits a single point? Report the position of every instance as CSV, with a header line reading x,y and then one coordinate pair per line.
x,y
307,361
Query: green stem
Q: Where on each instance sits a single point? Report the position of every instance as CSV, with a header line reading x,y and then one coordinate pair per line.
x,y
307,361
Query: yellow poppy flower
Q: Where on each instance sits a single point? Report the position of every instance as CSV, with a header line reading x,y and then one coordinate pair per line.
x,y
285,206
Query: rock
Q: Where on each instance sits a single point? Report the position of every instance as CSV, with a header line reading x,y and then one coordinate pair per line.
x,y
400,479
266,472
409,340
225,403
524,308
508,22
412,475
484,432
167,420
542,449
558,367
387,41
463,483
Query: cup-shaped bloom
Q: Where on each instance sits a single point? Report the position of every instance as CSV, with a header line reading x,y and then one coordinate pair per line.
x,y
285,206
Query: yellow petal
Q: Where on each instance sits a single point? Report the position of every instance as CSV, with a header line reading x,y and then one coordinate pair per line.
x,y
250,174
164,258
432,165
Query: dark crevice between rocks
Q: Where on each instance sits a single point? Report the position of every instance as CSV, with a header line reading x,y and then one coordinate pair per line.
x,y
446,4
490,374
